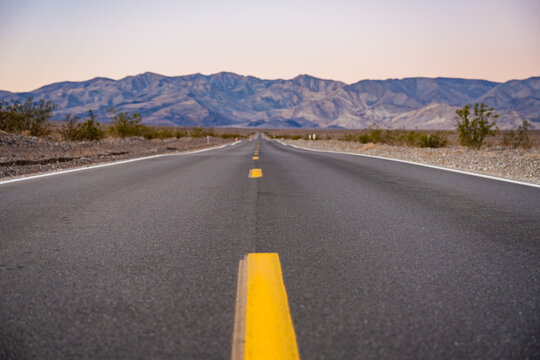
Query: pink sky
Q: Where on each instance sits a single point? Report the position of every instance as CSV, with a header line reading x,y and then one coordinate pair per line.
x,y
46,41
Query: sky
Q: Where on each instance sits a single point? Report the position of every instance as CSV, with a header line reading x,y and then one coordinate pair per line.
x,y
46,41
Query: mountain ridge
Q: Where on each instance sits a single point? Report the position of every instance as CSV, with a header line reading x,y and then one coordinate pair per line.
x,y
229,99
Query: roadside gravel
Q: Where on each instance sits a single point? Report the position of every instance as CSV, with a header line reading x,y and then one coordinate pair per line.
x,y
516,164
22,155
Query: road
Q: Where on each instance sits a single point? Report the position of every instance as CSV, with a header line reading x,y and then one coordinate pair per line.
x,y
380,259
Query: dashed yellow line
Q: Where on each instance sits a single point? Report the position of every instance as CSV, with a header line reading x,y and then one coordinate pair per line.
x,y
255,173
263,324
255,158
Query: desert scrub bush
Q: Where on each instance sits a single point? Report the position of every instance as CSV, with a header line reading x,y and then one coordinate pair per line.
x,y
151,133
411,138
390,137
364,138
522,137
166,133
180,134
124,125
197,132
372,135
90,129
69,130
232,136
473,127
397,137
200,132
436,140
349,137
287,136
375,135
292,137
31,116
519,138
87,130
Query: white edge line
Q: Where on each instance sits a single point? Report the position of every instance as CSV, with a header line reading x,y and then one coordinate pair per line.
x,y
113,163
419,164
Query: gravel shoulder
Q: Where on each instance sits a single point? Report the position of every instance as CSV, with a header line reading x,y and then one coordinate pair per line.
x,y
515,164
22,155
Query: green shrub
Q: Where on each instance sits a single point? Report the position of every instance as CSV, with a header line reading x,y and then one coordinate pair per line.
x,y
31,116
390,137
364,138
87,130
411,138
349,137
197,132
69,130
287,136
518,139
474,127
436,140
126,125
397,137
200,132
508,138
232,136
372,135
180,134
90,129
375,135
151,133
166,133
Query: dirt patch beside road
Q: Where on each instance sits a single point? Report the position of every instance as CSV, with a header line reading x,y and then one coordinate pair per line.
x,y
22,155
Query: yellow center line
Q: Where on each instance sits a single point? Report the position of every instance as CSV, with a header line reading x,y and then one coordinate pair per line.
x,y
239,333
268,331
255,158
255,173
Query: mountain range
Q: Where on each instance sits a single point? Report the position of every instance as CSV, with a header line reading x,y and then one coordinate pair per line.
x,y
227,99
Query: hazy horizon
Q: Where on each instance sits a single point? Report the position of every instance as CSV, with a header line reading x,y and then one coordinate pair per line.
x,y
45,42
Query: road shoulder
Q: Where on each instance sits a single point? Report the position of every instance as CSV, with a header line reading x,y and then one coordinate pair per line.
x,y
515,166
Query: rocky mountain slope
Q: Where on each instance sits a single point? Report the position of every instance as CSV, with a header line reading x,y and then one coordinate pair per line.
x,y
227,99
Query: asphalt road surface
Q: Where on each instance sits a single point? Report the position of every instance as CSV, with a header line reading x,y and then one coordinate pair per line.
x,y
381,260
